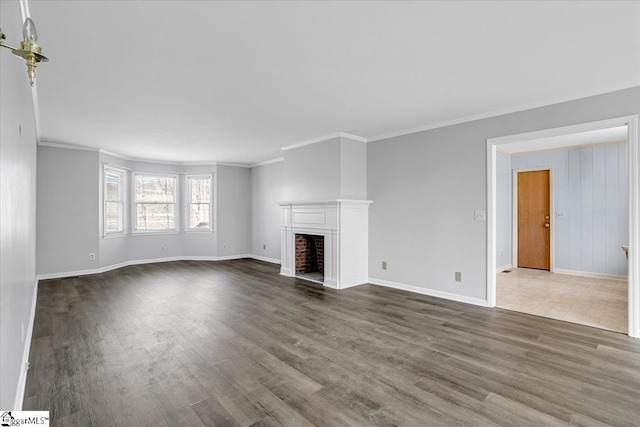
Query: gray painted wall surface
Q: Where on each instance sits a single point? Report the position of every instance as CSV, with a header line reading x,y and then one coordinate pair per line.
x,y
70,213
504,213
17,209
312,172
353,169
327,170
425,187
266,190
68,203
234,210
590,186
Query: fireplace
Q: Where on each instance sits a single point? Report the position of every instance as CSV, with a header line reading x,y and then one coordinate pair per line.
x,y
326,241
310,257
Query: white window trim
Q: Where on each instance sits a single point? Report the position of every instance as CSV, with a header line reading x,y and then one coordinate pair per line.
x,y
122,196
187,203
134,204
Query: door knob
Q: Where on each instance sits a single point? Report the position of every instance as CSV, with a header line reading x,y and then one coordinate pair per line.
x,y
547,225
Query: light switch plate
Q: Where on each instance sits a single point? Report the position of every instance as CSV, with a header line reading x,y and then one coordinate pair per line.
x,y
480,215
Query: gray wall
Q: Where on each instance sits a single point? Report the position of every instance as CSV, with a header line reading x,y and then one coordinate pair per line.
x,y
266,190
234,211
70,224
68,202
590,186
327,170
17,209
353,169
426,186
312,172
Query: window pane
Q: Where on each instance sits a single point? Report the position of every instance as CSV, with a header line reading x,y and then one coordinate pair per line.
x,y
199,215
112,181
200,190
155,216
155,189
113,214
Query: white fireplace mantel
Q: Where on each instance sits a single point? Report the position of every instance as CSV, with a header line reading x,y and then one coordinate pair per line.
x,y
344,224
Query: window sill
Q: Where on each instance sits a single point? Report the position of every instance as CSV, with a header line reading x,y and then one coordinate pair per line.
x,y
153,233
114,235
195,231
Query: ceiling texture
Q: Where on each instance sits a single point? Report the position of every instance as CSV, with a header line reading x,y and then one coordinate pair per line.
x,y
199,81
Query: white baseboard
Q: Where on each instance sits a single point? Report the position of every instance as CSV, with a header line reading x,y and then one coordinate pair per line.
x,y
589,274
430,292
503,268
22,380
265,259
138,262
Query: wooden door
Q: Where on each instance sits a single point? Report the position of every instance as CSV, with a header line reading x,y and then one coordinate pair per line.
x,y
534,225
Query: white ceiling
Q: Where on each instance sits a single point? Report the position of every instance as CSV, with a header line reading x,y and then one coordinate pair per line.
x,y
235,81
593,137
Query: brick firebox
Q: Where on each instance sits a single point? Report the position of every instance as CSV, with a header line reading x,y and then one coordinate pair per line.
x,y
309,254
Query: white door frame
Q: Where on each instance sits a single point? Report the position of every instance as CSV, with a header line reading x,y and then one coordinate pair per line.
x,y
514,217
634,210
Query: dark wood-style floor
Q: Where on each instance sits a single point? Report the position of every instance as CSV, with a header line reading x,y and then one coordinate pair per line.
x,y
233,343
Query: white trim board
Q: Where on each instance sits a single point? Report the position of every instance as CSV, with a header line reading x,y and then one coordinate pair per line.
x,y
429,292
151,261
504,111
504,268
267,162
634,201
265,259
589,274
22,380
324,138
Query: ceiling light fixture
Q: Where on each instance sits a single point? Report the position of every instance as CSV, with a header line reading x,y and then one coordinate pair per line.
x,y
29,48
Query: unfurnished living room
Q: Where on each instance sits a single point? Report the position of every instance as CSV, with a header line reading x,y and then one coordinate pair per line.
x,y
331,213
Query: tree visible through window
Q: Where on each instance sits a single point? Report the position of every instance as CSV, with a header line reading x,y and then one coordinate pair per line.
x,y
199,188
155,200
113,201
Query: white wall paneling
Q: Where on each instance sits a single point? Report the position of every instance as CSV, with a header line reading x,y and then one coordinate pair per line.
x,y
597,190
586,194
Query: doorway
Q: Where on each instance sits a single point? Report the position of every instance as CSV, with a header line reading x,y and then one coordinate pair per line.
x,y
532,210
631,161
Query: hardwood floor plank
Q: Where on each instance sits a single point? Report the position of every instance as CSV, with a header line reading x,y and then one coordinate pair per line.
x,y
235,343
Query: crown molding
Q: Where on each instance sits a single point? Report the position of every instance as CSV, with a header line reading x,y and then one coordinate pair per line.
x,y
110,153
67,146
502,112
267,162
325,138
234,165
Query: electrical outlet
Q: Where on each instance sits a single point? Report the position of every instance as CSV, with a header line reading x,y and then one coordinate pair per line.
x,y
224,246
384,265
560,215
162,247
479,215
92,257
264,247
458,276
